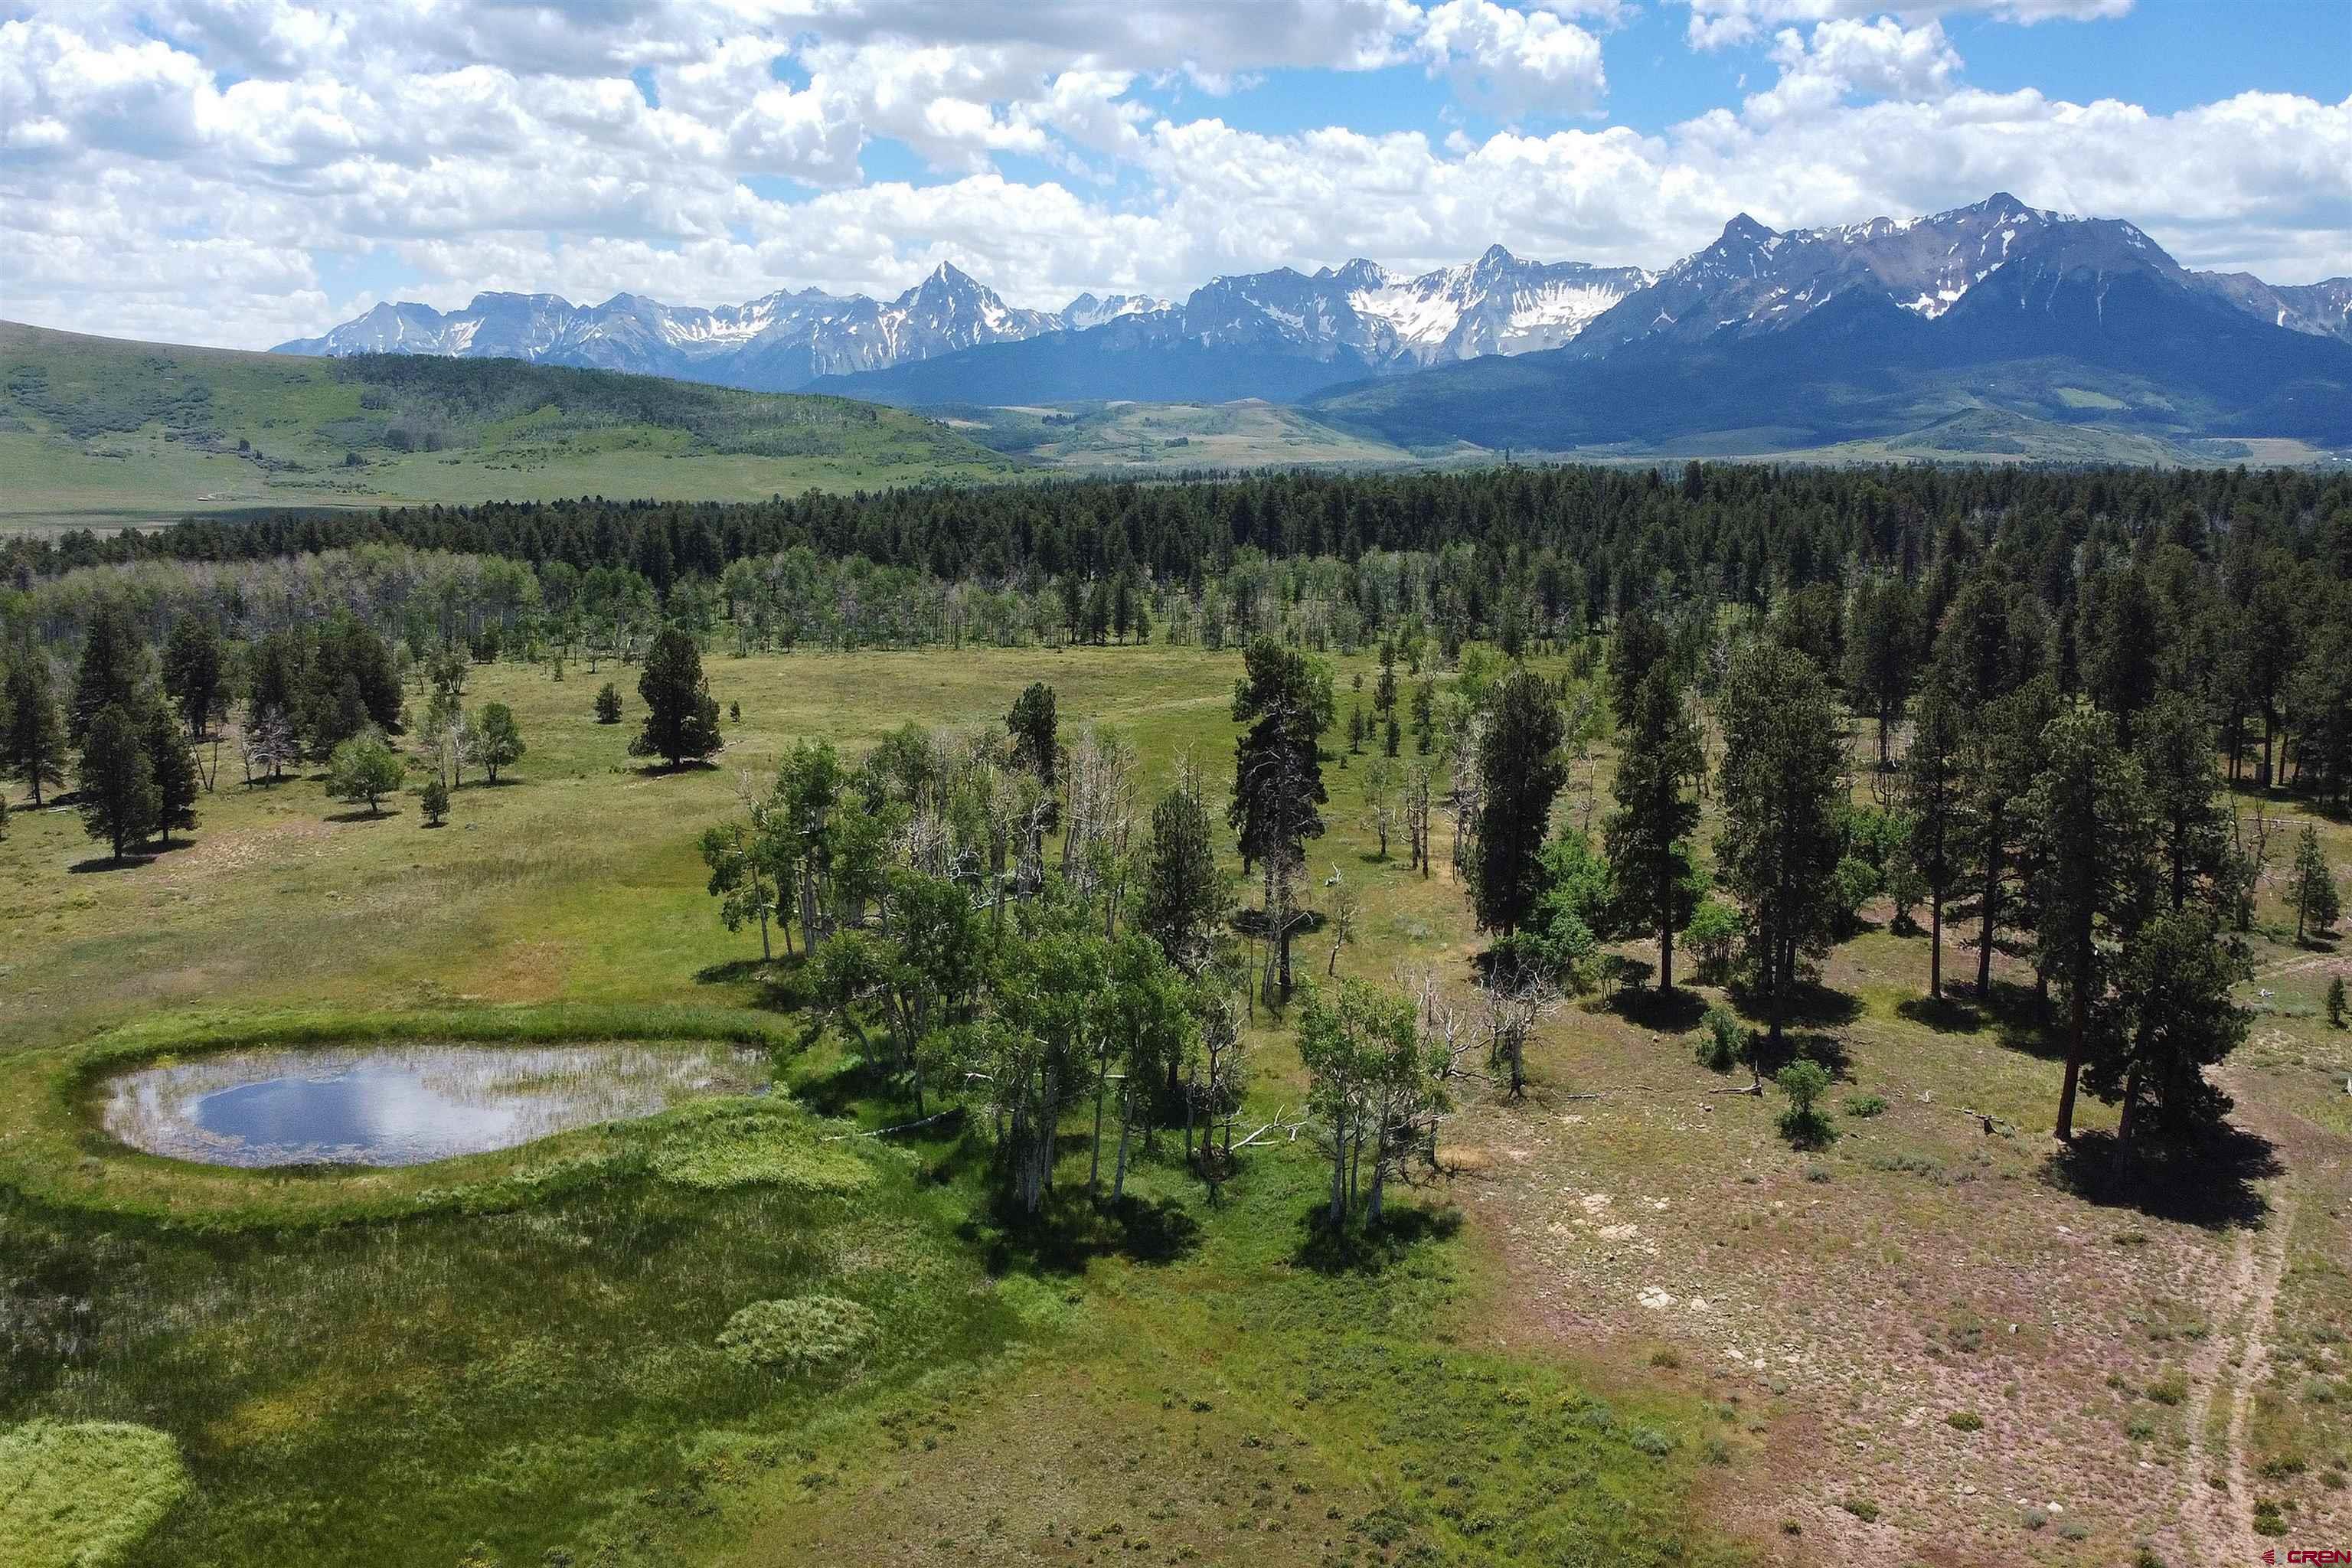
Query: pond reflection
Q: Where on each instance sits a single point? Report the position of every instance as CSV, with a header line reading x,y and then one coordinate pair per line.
x,y
404,1104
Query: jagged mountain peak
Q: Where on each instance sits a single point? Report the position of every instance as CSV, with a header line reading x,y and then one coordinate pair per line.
x,y
1750,279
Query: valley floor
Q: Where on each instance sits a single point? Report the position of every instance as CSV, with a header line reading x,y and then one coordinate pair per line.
x,y
1626,1325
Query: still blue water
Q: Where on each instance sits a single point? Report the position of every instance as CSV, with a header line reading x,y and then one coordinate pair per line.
x,y
404,1105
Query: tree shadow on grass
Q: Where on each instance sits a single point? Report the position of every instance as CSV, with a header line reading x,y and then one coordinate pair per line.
x,y
2023,1022
1071,1228
2209,1181
364,815
1947,1015
100,863
1676,1012
661,770
1357,1245
784,982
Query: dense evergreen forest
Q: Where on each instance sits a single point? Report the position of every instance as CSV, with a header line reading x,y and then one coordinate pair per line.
x,y
2231,585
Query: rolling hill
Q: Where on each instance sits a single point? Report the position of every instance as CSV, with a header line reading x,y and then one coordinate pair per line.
x,y
102,432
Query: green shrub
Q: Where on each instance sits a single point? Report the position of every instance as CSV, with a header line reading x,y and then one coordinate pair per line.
x,y
1862,1508
1965,1421
1866,1105
1803,1124
83,1495
801,1334
1651,1441
1722,1038
721,1144
2169,1389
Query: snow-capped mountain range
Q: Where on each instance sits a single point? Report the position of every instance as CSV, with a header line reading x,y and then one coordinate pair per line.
x,y
1497,304
1758,279
1286,333
1985,329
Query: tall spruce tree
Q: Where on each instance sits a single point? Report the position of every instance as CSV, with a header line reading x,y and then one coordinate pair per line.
x,y
1648,836
1881,654
33,746
113,668
116,782
1182,892
2175,746
192,670
2173,1014
2090,838
2311,887
1520,772
1780,841
1933,796
2003,750
1278,794
681,718
173,767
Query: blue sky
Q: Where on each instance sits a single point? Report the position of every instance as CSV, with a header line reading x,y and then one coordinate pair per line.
x,y
239,173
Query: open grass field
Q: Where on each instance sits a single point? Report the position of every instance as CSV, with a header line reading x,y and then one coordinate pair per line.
x,y
1630,1326
1143,437
100,432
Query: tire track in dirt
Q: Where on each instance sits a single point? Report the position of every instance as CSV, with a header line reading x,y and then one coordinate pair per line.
x,y
2205,1518
2253,1367
2218,1518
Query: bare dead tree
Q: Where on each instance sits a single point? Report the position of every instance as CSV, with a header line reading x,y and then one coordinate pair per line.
x,y
1511,1006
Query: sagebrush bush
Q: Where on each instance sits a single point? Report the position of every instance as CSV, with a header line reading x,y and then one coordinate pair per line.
x,y
800,1334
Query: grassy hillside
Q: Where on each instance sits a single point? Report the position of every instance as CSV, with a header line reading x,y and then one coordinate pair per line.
x,y
100,432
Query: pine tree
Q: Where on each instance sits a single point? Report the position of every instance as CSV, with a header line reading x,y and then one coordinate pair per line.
x,y
1640,643
174,768
681,716
1882,655
2173,1015
1647,838
2311,887
2003,749
112,670
33,746
2175,748
1278,793
435,800
1932,798
116,782
2336,1001
1183,892
1519,772
192,670
608,704
2089,836
1779,848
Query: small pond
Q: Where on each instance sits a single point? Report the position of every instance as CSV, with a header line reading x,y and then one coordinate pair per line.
x,y
404,1104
